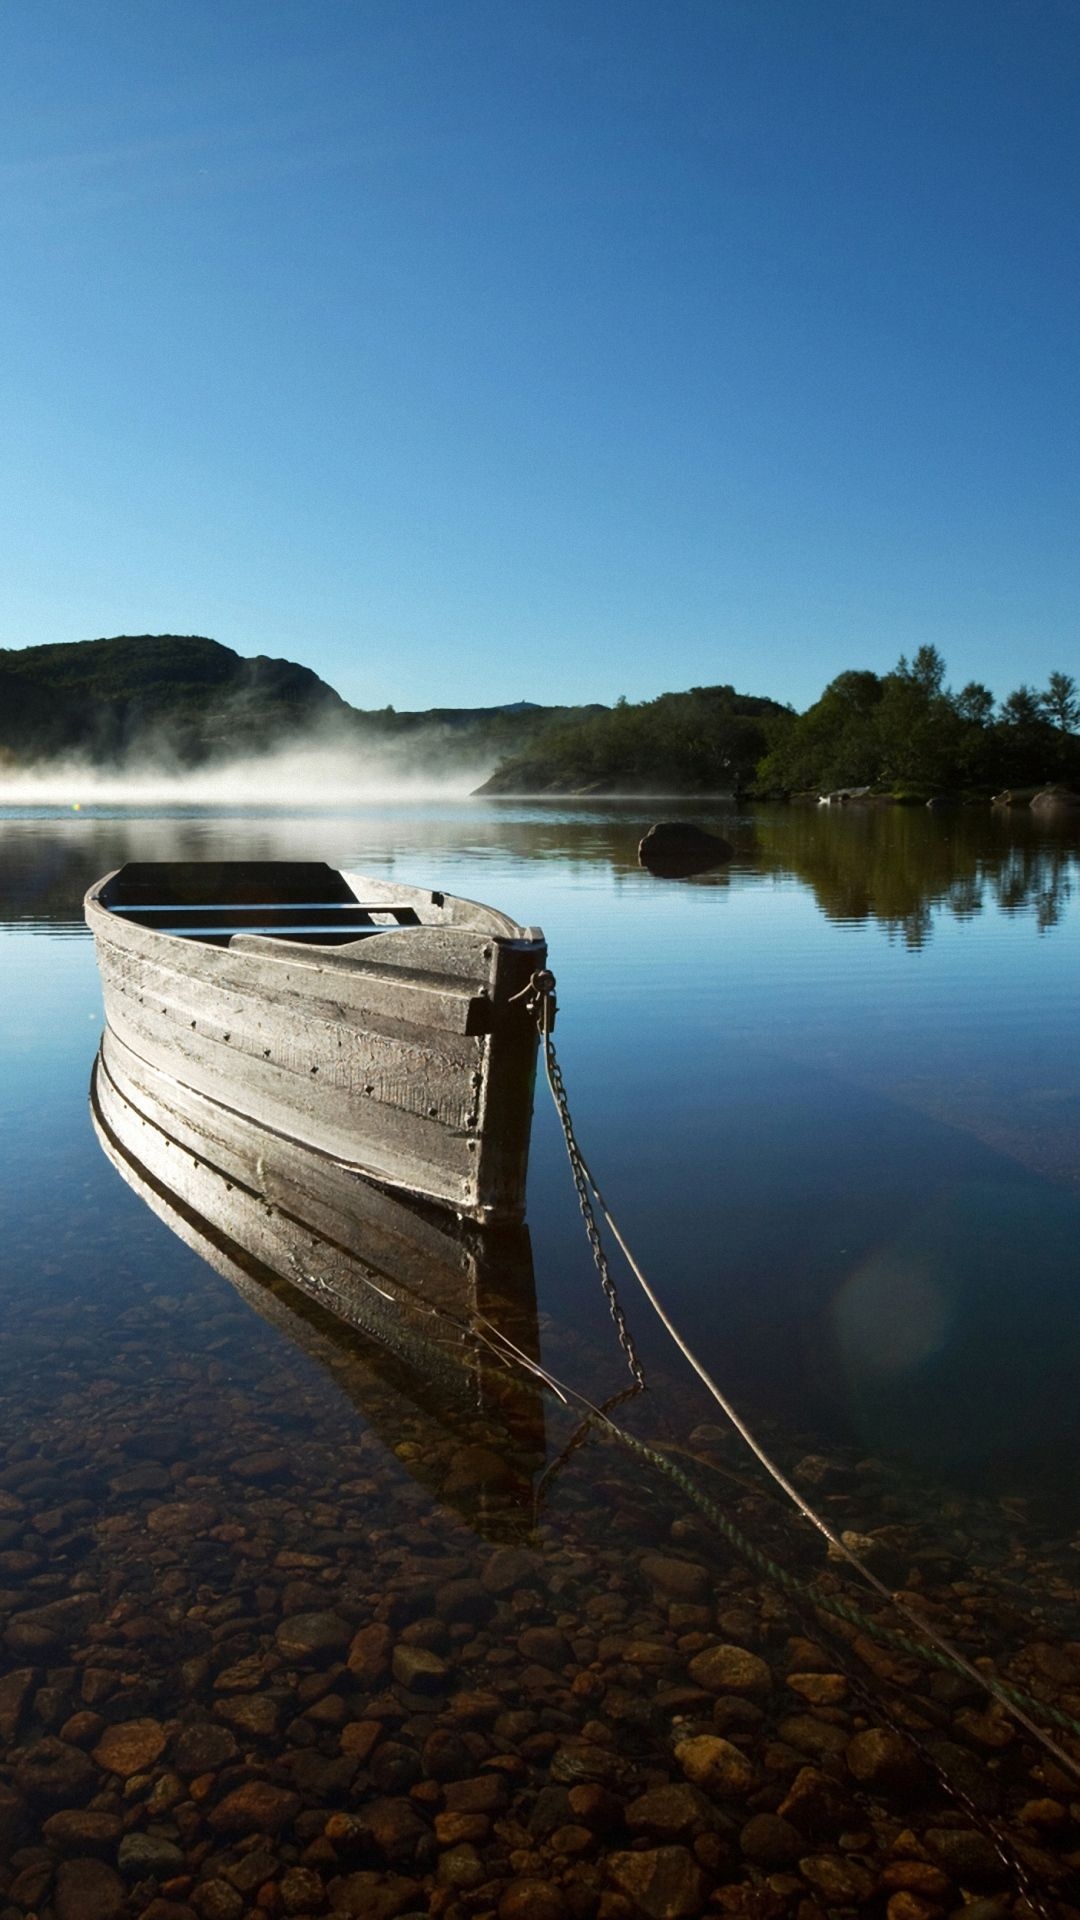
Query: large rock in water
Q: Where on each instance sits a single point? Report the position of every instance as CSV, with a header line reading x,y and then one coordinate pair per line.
x,y
1056,800
673,849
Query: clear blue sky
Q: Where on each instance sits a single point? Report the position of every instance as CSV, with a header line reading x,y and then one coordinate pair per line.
x,y
476,350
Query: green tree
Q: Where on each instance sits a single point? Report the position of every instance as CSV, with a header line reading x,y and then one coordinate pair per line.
x,y
975,704
919,729
1060,703
1023,708
927,671
1027,745
833,744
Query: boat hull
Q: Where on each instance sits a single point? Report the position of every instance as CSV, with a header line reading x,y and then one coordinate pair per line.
x,y
404,1055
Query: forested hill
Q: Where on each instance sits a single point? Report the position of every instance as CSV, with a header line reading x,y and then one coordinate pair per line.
x,y
709,740
141,700
152,702
150,694
905,734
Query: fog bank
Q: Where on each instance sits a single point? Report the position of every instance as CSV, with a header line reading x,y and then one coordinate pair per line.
x,y
310,774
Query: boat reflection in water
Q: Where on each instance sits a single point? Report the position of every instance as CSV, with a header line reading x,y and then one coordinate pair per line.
x,y
428,1323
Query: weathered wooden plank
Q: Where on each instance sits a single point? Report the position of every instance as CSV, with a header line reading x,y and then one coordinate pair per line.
x,y
256,995
390,981
401,1107
183,1140
401,1147
312,1185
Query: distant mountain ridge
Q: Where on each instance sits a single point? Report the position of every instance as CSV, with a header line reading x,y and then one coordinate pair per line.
x,y
146,704
189,701
161,704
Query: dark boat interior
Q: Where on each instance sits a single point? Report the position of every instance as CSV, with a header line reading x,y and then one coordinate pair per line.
x,y
212,900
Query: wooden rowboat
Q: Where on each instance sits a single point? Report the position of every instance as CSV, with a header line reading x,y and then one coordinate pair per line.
x,y
374,1023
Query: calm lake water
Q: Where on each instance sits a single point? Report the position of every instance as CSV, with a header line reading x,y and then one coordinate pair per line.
x,y
832,1094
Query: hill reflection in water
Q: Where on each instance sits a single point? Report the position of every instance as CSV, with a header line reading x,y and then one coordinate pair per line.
x,y
897,867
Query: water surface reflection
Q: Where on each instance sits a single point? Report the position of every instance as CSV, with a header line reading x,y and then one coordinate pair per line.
x,y
278,1626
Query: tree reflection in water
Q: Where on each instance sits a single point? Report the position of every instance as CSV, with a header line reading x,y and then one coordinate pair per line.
x,y
903,867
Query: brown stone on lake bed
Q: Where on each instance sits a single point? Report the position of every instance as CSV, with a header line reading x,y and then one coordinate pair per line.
x,y
87,1890
255,1715
81,1830
770,1842
50,1773
217,1900
313,1636
256,1807
917,1876
814,1803
419,1671
463,1599
730,1669
845,1882
269,1464
815,1737
130,1747
964,1853
395,1827
446,1755
82,1728
819,1689
369,1654
460,1867
182,1516
15,1691
301,1890
670,1813
911,1906
548,1646
884,1760
715,1765
452,1828
532,1900
682,1580
359,1738
511,1567
595,1806
665,1883
484,1793
30,1887
375,1896
202,1747
14,1820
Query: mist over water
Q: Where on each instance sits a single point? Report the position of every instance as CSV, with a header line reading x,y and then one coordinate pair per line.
x,y
310,773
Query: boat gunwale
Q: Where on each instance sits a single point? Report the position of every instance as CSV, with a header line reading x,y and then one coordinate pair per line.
x,y
490,922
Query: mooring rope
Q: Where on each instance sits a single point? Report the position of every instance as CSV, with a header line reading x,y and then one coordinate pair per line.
x,y
806,1596
540,994
539,997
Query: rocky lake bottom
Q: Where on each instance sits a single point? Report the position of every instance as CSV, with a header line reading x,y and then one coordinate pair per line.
x,y
261,1659
287,1629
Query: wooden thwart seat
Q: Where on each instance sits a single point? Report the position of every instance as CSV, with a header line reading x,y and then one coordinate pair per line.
x,y
315,919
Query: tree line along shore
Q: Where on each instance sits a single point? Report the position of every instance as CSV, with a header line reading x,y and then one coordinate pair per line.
x,y
185,701
903,735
